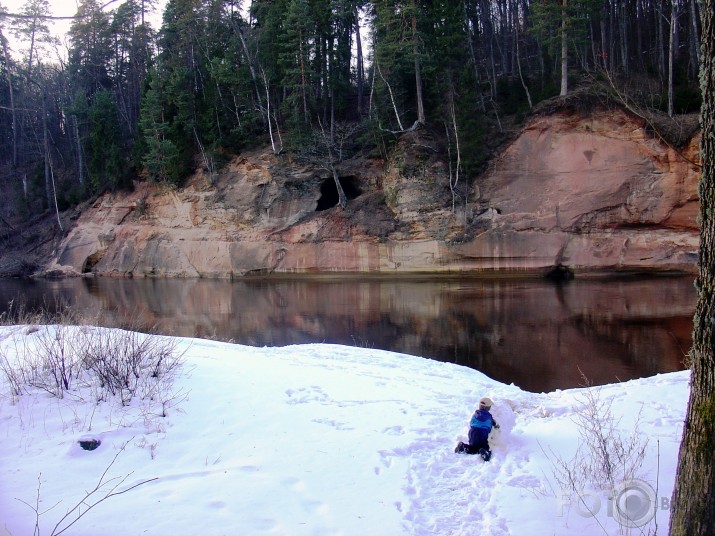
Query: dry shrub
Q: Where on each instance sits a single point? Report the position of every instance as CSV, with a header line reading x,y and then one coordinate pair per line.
x,y
62,359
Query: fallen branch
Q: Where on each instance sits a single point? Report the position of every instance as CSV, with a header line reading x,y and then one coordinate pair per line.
x,y
91,498
414,127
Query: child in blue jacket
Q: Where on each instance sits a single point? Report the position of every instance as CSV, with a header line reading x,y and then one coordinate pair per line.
x,y
479,427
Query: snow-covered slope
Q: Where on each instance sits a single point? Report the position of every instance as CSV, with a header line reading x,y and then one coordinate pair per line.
x,y
323,439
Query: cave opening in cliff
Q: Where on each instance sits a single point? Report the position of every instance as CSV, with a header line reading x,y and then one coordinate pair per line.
x,y
329,193
90,262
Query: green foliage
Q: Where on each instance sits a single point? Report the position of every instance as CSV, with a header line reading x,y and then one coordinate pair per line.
x,y
472,131
294,63
510,96
215,76
547,17
107,164
90,48
546,89
552,20
161,154
70,195
33,30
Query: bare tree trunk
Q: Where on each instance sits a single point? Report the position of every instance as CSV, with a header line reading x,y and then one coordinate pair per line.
x,y
594,51
507,67
671,52
360,64
392,98
418,74
32,49
251,67
303,79
453,184
623,21
693,503
11,93
521,76
54,192
46,150
268,114
488,39
473,57
660,48
372,90
332,116
564,52
694,33
80,163
604,40
342,198
640,21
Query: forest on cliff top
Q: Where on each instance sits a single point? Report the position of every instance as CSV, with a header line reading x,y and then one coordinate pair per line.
x,y
308,78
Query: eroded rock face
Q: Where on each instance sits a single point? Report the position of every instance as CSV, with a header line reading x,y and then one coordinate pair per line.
x,y
592,192
597,192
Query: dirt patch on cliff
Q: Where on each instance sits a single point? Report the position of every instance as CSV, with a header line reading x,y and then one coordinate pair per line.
x,y
675,131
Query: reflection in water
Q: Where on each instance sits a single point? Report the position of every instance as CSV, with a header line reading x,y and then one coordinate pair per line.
x,y
535,334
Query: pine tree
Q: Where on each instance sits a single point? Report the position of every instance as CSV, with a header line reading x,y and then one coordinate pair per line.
x,y
161,154
182,83
562,25
90,49
296,46
132,54
107,167
33,30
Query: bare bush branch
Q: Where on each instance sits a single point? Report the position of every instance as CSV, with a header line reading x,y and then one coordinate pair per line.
x,y
97,496
104,489
112,363
604,458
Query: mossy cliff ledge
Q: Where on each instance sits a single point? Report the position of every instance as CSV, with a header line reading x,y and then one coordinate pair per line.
x,y
592,191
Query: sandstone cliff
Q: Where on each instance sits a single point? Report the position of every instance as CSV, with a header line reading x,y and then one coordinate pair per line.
x,y
592,191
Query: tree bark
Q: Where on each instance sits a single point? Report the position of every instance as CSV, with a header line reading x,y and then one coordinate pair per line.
x,y
418,73
11,94
521,76
660,43
564,53
671,51
473,57
693,504
342,198
249,60
46,149
392,98
303,78
604,44
694,33
80,163
360,65
640,23
623,21
488,40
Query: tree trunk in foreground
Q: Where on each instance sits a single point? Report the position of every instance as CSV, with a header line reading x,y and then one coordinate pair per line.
x,y
693,505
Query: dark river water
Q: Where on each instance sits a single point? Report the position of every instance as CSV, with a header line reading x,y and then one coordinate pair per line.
x,y
536,334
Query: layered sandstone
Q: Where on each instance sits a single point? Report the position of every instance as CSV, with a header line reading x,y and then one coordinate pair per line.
x,y
592,191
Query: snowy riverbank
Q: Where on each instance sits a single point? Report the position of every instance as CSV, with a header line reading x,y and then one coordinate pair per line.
x,y
324,439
